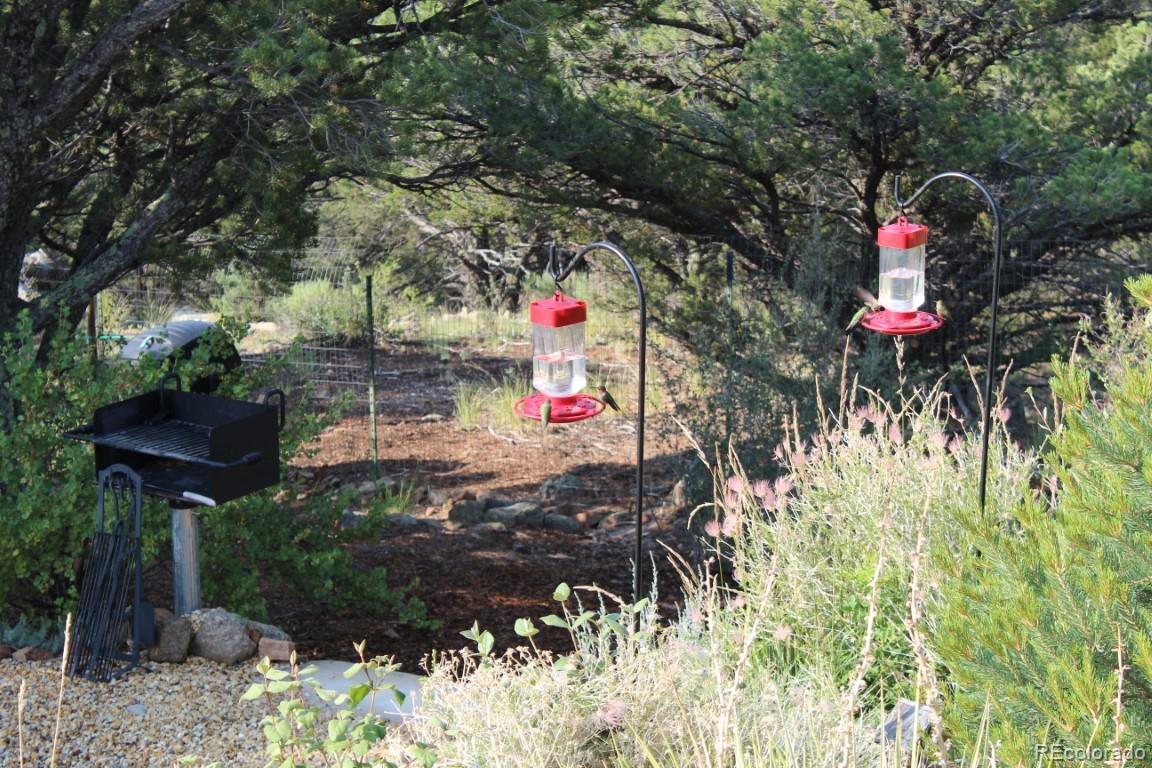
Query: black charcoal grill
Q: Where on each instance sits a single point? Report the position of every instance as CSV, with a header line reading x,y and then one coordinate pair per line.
x,y
193,450
190,447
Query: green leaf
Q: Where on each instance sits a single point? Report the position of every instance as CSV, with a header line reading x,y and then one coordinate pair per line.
x,y
525,628
280,686
553,620
562,593
357,693
255,691
354,670
485,643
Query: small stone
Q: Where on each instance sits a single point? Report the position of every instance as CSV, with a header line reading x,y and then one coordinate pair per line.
x,y
306,474
350,518
522,513
32,653
495,502
263,630
562,523
906,720
366,489
484,530
276,650
562,485
439,498
432,417
617,520
404,520
329,483
466,512
173,637
137,709
504,515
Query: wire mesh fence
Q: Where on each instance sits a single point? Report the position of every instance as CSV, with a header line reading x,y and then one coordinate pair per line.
x,y
320,323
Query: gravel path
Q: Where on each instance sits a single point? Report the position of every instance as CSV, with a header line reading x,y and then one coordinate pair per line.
x,y
151,717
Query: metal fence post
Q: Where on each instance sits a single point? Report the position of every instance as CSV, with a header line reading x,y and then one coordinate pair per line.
x,y
372,376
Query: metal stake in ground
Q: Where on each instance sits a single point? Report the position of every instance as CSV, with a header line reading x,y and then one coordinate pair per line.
x,y
559,275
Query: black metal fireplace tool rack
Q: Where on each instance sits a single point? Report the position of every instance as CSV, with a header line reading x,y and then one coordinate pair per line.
x,y
112,569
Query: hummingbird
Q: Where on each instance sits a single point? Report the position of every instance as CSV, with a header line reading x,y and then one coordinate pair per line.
x,y
545,413
870,305
941,310
606,396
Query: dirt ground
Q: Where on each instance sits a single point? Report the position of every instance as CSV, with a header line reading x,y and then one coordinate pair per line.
x,y
465,574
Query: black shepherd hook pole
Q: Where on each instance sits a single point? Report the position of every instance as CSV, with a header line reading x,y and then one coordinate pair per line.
x,y
559,276
997,261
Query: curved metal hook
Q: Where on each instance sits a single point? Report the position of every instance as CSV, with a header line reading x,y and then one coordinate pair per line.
x,y
997,263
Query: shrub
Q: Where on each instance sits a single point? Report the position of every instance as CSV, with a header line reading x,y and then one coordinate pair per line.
x,y
47,493
1050,631
327,309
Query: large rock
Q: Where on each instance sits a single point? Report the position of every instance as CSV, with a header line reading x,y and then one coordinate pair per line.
x,y
173,638
221,636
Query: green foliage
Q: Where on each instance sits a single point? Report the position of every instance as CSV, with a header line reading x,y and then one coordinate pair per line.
x,y
47,489
39,633
327,309
1050,628
301,732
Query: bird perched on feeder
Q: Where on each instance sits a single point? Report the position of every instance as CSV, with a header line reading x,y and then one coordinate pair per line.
x,y
941,310
545,413
870,305
606,396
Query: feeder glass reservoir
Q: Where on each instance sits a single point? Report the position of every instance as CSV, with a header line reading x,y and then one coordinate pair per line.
x,y
558,360
902,247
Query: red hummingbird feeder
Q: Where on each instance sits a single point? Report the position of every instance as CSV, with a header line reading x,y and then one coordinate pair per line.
x,y
559,364
902,248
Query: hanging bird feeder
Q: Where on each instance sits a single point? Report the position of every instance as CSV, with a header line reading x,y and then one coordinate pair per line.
x,y
559,365
902,247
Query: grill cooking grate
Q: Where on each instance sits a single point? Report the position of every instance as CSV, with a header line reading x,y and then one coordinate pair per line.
x,y
171,439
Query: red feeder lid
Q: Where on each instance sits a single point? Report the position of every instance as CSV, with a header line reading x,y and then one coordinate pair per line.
x,y
564,409
558,311
901,323
902,234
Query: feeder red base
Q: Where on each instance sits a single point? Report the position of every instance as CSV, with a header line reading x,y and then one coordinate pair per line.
x,y
564,409
901,323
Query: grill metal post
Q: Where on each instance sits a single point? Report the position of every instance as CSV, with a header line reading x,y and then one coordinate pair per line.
x,y
185,558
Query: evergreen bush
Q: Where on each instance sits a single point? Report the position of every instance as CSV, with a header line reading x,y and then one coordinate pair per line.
x,y
1048,635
